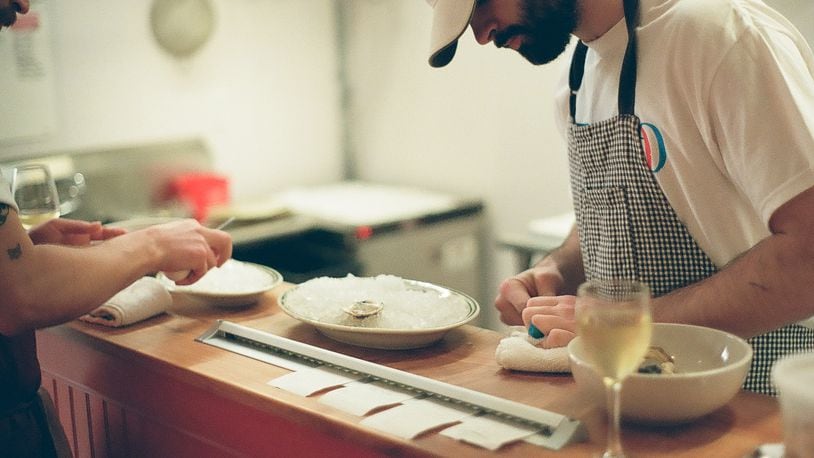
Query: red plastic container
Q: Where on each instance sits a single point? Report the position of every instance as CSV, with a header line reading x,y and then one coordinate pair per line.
x,y
201,191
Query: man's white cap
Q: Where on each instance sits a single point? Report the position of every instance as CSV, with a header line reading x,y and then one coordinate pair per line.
x,y
450,18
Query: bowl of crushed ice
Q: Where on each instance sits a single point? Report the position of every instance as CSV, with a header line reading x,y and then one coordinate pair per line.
x,y
234,284
385,311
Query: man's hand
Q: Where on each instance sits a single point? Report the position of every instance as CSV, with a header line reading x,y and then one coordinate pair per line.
x,y
60,231
516,292
543,295
554,317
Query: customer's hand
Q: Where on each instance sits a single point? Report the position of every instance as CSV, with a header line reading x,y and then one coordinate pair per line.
x,y
61,231
187,246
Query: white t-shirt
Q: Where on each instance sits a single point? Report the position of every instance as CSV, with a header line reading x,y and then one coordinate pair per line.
x,y
725,94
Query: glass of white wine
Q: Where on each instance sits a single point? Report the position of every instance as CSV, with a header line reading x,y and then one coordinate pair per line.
x,y
614,323
35,193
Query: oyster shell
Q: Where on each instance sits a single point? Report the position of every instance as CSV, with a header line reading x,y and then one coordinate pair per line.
x,y
363,309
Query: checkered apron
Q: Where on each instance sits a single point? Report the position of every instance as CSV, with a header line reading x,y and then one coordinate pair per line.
x,y
627,228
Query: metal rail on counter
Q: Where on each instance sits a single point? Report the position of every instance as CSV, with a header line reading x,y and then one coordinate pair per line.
x,y
556,430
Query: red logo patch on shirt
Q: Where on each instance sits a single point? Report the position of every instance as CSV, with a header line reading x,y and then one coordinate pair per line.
x,y
653,146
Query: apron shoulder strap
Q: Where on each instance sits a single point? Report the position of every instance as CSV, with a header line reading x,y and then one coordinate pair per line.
x,y
575,75
627,79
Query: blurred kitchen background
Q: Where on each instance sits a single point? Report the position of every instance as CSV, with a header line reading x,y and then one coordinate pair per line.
x,y
282,95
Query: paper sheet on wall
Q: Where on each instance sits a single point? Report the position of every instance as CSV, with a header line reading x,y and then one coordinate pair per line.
x,y
27,76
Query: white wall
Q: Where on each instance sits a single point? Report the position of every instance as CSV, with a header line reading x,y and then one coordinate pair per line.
x,y
264,92
800,13
482,126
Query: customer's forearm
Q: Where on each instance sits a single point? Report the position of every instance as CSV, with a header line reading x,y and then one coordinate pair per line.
x,y
58,283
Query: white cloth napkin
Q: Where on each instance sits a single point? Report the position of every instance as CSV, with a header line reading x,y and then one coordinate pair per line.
x,y
144,298
519,352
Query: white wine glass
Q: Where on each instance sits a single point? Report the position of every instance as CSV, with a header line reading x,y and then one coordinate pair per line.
x,y
614,323
35,193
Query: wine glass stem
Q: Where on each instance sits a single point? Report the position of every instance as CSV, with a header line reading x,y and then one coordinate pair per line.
x,y
612,390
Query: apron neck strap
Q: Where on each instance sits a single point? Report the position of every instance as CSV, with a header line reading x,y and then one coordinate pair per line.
x,y
627,77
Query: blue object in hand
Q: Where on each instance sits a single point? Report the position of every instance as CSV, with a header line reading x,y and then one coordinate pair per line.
x,y
534,332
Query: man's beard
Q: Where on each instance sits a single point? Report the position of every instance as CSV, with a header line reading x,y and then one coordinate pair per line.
x,y
546,28
8,16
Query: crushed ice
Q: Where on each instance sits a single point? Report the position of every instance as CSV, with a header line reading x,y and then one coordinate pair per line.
x,y
233,277
406,305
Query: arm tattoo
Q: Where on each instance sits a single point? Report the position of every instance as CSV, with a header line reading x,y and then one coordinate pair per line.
x,y
15,252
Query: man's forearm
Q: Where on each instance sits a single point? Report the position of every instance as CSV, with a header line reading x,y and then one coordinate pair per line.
x,y
567,260
769,286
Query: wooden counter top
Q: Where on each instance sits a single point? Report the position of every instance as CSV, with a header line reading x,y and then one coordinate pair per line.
x,y
156,369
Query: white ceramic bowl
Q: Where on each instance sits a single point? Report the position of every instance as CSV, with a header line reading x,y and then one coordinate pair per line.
x,y
711,366
234,284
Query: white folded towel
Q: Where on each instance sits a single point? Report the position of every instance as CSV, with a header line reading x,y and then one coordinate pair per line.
x,y
519,352
144,298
